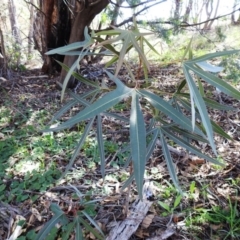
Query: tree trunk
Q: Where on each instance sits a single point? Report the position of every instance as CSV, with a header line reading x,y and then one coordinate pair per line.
x,y
30,32
209,10
3,59
177,14
52,26
177,9
238,20
198,11
15,30
83,18
187,11
116,12
58,24
233,20
14,22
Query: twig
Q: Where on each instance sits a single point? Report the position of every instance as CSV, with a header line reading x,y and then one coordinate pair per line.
x,y
185,24
132,6
35,7
132,18
59,188
137,13
172,149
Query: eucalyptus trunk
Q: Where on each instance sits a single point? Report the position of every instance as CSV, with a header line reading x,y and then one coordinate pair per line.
x,y
13,21
83,17
58,23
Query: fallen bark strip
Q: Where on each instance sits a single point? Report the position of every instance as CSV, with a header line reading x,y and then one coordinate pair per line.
x,y
40,76
164,235
137,212
172,149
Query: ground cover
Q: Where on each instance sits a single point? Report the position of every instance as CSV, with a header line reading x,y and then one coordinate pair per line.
x,y
32,163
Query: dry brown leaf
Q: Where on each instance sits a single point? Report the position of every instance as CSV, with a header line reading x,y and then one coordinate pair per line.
x,y
36,214
101,226
46,204
215,227
31,219
139,233
196,194
112,198
147,220
235,198
186,174
197,161
51,195
224,192
163,234
91,236
177,218
17,229
38,228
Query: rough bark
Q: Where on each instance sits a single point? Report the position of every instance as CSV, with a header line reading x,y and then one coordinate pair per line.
x,y
3,60
84,17
52,27
14,22
60,22
135,215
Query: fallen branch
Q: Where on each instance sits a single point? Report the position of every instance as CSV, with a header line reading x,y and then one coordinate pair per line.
x,y
137,212
172,149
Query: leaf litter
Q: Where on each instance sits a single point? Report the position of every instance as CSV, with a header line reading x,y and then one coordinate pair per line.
x,y
206,185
